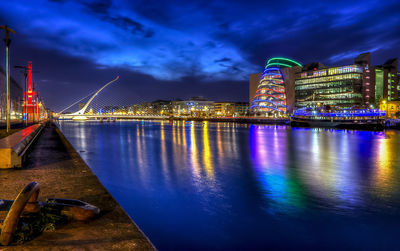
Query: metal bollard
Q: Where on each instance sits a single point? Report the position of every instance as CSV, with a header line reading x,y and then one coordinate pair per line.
x,y
26,201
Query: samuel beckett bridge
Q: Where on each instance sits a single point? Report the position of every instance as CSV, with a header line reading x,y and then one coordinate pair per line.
x,y
102,112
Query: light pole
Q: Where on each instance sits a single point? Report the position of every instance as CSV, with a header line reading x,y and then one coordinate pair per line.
x,y
7,40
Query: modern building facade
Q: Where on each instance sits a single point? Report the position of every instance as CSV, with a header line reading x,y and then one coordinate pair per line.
x,y
274,88
356,85
339,86
386,82
285,85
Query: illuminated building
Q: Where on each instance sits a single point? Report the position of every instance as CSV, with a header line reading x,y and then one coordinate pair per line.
x,y
162,107
224,109
16,95
241,109
194,107
386,81
274,93
143,108
392,108
231,109
356,85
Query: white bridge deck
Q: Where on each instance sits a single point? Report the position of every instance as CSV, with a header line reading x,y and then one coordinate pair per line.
x,y
108,116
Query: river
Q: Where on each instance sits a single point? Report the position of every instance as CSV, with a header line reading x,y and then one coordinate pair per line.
x,y
217,186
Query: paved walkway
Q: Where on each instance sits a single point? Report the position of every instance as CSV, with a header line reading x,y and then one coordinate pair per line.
x,y
62,173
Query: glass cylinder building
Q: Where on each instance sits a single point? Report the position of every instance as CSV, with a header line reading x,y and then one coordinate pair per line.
x,y
270,97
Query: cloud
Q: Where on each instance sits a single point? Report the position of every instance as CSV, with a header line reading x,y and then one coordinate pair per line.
x,y
112,35
129,25
98,6
210,41
224,59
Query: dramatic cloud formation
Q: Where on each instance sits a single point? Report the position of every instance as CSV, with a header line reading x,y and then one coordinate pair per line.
x,y
182,48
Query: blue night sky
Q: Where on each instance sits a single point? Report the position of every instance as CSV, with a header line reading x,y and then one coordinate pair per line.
x,y
178,49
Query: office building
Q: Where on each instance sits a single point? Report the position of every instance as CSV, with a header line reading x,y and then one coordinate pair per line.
x,y
351,86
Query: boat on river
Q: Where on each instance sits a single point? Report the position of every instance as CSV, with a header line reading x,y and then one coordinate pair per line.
x,y
369,119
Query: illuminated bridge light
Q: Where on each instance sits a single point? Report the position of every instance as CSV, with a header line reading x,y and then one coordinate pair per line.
x,y
270,96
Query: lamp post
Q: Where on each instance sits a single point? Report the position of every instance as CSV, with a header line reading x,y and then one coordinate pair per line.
x,y
7,40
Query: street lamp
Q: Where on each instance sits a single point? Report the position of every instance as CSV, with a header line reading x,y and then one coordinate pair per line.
x,y
7,40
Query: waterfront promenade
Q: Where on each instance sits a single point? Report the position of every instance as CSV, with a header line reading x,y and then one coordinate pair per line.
x,y
61,172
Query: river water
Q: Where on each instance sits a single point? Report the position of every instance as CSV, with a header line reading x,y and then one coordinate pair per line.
x,y
217,186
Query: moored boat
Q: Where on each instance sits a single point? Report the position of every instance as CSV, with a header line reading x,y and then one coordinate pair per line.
x,y
369,119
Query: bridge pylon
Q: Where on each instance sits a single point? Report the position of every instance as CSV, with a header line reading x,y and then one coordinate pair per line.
x,y
80,115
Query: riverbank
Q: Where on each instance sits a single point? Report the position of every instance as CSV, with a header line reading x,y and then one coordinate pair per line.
x,y
61,172
241,120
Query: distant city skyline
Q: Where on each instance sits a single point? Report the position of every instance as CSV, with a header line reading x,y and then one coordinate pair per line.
x,y
167,50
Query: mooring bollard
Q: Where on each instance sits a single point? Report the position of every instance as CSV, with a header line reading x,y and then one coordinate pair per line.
x,y
26,201
30,193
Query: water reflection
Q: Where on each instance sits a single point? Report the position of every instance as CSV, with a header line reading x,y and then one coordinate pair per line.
x,y
330,166
207,155
194,153
270,155
164,157
185,179
386,174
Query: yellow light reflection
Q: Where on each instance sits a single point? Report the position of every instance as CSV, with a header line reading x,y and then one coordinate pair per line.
x,y
164,157
183,134
219,146
176,134
178,125
140,145
207,155
384,174
194,152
